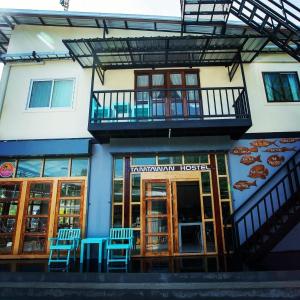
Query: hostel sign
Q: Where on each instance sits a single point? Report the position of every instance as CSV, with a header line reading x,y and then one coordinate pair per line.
x,y
181,168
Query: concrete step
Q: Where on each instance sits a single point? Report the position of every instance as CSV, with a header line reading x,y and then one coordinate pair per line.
x,y
237,285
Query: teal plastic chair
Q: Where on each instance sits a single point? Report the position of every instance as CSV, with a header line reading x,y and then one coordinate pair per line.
x,y
67,240
120,241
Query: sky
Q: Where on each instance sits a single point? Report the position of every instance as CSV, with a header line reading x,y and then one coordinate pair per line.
x,y
145,7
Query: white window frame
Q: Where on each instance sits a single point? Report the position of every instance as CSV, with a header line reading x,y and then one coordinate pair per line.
x,y
49,108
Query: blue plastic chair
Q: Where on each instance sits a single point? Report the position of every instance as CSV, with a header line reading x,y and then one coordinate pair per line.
x,y
121,240
66,240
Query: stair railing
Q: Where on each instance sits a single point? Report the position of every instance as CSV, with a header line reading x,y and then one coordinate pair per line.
x,y
264,203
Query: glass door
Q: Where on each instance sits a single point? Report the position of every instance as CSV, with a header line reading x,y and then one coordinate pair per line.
x,y
156,227
36,217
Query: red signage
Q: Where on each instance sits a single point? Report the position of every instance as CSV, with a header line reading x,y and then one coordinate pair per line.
x,y
6,170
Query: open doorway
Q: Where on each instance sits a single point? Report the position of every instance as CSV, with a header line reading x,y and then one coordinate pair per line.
x,y
189,217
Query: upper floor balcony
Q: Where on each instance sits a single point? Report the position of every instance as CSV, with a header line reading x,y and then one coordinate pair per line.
x,y
162,112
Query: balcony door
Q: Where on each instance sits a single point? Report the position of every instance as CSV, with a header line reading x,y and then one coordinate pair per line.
x,y
167,94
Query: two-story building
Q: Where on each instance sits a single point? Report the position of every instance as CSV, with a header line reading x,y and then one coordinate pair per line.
x,y
167,125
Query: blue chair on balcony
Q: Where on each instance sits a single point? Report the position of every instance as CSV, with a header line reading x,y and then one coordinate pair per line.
x,y
120,241
67,241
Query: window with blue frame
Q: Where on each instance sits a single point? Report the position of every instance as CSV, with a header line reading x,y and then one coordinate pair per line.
x,y
282,86
51,93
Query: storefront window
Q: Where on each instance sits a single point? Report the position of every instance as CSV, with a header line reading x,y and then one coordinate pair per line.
x,y
169,160
7,168
56,167
195,158
79,167
29,168
118,167
144,160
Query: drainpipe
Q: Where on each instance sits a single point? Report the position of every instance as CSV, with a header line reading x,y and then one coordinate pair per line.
x,y
3,85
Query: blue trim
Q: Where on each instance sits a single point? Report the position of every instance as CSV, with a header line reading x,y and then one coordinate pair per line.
x,y
53,147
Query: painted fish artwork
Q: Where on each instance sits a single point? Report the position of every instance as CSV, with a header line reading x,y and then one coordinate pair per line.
x,y
243,150
275,160
243,185
249,159
280,149
262,143
259,171
289,140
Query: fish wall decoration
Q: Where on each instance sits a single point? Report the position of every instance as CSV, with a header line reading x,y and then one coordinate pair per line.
x,y
289,140
282,149
259,171
243,185
275,160
243,150
262,143
249,159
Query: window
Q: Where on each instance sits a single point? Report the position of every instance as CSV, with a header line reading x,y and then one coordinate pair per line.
x,y
282,87
51,93
56,167
29,168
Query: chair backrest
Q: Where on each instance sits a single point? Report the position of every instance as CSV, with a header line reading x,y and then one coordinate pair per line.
x,y
121,233
67,234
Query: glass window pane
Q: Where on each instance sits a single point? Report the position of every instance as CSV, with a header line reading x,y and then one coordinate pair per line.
x,y
158,79
29,168
169,159
118,191
70,189
225,212
9,191
6,243
34,244
56,167
37,225
118,167
135,216
79,166
136,188
191,79
176,79
40,190
157,243
68,222
40,94
156,207
117,215
208,210
7,225
156,225
210,237
205,178
157,189
195,158
136,242
62,93
144,160
38,207
221,164
69,207
7,168
223,188
8,208
142,81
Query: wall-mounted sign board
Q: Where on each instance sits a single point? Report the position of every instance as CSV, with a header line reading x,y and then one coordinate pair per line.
x,y
170,168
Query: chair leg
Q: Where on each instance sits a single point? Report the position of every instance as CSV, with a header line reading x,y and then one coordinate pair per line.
x,y
50,258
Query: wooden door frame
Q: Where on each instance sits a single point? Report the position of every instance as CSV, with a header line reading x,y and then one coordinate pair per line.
x,y
143,218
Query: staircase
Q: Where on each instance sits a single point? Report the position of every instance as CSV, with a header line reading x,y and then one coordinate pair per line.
x,y
278,19
268,215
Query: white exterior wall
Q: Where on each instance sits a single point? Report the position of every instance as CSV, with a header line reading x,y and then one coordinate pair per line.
x,y
17,122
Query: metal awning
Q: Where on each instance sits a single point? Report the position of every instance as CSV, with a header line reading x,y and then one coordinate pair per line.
x,y
9,18
174,51
207,11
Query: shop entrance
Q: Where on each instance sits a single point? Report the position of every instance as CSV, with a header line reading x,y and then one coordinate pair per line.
x,y
189,217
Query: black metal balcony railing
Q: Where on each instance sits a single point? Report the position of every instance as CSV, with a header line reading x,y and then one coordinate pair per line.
x,y
169,105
